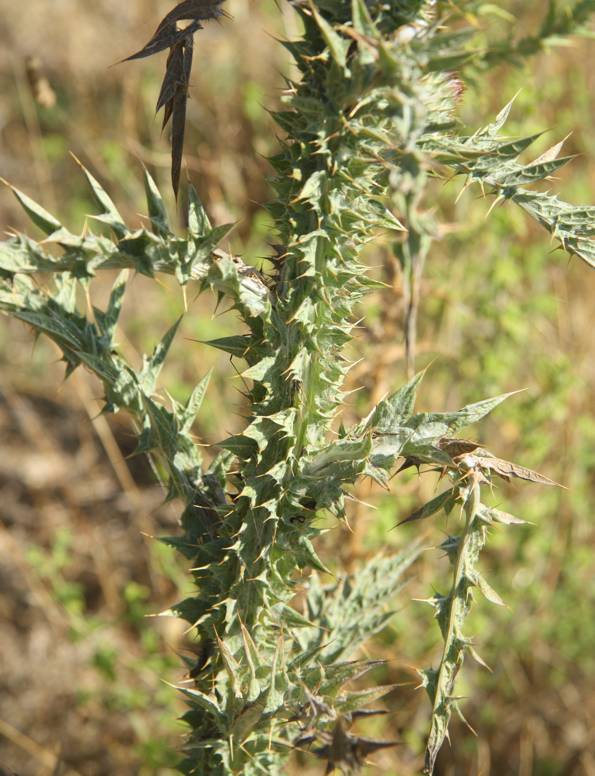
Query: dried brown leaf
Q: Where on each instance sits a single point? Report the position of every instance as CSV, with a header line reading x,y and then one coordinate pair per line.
x,y
457,447
165,37
507,469
174,88
346,751
178,111
195,10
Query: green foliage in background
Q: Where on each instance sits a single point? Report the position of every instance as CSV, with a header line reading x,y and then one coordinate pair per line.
x,y
367,125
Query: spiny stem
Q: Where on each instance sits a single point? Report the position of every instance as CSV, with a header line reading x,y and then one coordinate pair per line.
x,y
414,273
412,251
459,600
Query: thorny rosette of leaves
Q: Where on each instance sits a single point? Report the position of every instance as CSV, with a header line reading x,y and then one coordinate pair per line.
x,y
369,117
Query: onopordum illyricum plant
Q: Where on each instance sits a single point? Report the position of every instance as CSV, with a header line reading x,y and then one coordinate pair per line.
x,y
364,128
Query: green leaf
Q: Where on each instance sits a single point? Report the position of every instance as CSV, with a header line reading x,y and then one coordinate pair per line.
x,y
153,365
362,21
430,508
194,403
491,130
40,217
204,246
337,45
471,413
356,607
236,345
354,700
261,370
205,702
109,212
513,148
62,331
308,557
395,410
156,207
488,591
314,188
490,514
532,173
198,222
242,446
107,320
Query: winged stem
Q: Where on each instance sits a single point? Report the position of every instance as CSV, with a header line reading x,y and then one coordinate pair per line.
x,y
451,612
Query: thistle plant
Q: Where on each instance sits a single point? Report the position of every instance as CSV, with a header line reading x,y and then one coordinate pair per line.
x,y
366,127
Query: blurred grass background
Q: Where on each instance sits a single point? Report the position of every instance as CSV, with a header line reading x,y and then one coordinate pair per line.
x,y
81,688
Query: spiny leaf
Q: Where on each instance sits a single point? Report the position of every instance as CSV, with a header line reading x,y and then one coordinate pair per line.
x,y
204,246
357,698
194,403
337,45
107,320
308,555
206,702
492,130
198,221
236,345
40,217
496,515
362,22
153,365
552,152
532,172
395,410
109,212
472,413
433,506
487,590
156,206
